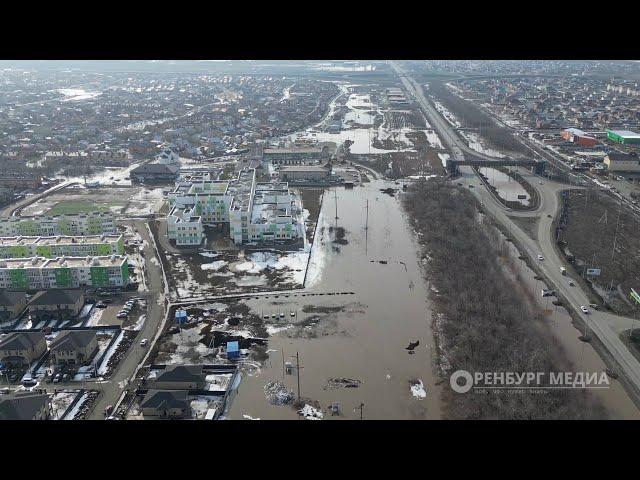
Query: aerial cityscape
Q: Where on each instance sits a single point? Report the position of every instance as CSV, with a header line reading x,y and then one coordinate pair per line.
x,y
319,240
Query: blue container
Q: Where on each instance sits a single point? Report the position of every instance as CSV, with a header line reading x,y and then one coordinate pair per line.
x,y
233,350
181,316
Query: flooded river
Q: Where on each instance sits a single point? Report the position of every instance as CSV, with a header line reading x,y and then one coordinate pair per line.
x,y
367,340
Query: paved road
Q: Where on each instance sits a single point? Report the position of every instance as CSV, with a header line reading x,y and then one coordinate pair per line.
x,y
113,388
11,209
604,325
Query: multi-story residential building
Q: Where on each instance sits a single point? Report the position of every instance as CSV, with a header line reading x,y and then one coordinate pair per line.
x,y
255,212
39,273
96,223
184,227
69,246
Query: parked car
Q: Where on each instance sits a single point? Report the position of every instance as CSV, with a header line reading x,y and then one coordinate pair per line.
x,y
584,309
56,379
572,283
121,315
540,257
594,306
100,305
548,293
293,314
106,301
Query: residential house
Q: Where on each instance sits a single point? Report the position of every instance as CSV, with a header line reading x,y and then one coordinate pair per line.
x,y
11,304
166,404
179,377
56,303
74,347
25,406
20,349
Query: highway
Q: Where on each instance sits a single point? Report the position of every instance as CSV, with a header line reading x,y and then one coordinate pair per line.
x,y
605,326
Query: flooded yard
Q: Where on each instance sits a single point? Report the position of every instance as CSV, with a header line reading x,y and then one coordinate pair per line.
x,y
352,347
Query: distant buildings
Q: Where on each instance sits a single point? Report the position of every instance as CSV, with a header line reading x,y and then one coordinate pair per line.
x,y
19,180
623,136
96,223
315,173
622,162
52,247
578,137
154,173
295,155
39,273
165,168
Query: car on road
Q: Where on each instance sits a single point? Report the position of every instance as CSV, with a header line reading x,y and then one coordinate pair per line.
x,y
100,305
584,309
56,379
572,283
121,315
540,257
144,342
541,183
293,314
548,293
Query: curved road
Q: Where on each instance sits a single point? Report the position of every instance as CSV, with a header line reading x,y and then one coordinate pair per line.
x,y
607,327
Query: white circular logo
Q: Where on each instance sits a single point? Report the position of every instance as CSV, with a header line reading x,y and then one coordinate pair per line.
x,y
468,381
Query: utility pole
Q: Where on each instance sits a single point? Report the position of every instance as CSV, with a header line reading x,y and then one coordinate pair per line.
x,y
615,238
361,407
298,372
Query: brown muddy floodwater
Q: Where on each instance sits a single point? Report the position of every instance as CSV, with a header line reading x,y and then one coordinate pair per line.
x,y
366,338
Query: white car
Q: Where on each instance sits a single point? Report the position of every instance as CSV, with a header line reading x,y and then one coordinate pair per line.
x,y
144,342
540,257
584,309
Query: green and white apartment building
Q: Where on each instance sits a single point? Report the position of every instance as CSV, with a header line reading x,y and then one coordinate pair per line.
x,y
256,212
39,273
96,223
68,246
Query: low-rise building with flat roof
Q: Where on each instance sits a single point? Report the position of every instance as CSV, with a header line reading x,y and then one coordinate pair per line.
x,y
623,136
58,246
39,273
95,223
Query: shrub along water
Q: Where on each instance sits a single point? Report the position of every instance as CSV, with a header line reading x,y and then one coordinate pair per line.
x,y
486,326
